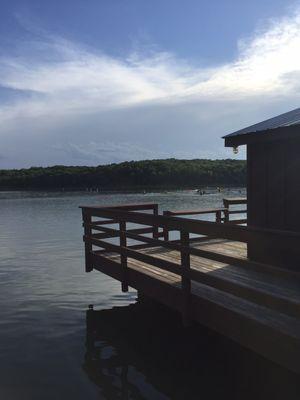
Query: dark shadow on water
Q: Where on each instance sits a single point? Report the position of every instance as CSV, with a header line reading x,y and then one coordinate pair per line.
x,y
142,351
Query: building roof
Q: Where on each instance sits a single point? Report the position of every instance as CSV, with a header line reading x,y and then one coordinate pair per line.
x,y
282,120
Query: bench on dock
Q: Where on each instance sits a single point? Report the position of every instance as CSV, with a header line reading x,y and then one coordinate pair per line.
x,y
204,272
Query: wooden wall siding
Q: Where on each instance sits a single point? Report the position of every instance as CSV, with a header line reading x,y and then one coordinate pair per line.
x,y
273,195
293,185
257,177
275,185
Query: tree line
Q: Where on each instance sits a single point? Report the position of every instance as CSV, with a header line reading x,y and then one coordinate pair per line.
x,y
131,174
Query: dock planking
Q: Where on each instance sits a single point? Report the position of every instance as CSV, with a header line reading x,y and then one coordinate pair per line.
x,y
207,278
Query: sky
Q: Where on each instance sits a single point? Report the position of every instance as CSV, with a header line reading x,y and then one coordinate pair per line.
x,y
101,81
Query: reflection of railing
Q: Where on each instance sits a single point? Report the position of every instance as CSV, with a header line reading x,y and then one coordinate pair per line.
x,y
124,215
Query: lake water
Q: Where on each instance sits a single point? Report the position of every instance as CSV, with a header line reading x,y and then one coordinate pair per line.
x,y
44,294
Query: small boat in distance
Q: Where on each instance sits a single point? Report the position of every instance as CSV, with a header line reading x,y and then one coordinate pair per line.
x,y
200,191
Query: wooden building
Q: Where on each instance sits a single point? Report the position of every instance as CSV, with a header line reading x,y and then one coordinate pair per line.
x,y
273,184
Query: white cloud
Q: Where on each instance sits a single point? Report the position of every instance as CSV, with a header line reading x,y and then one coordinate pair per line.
x,y
65,81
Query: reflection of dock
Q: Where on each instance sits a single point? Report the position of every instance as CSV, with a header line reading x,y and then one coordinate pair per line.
x,y
205,274
143,352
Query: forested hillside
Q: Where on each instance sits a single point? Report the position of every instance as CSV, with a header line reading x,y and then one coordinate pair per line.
x,y
148,173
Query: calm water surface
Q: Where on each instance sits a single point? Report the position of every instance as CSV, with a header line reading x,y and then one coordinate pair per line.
x,y
44,291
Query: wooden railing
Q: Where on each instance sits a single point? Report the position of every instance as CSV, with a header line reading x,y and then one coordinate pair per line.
x,y
107,233
216,212
123,216
228,203
220,214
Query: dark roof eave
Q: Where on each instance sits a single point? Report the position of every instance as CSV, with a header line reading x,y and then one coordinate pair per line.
x,y
280,133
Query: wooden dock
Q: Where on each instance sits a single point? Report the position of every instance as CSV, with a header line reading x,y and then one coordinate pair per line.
x,y
204,272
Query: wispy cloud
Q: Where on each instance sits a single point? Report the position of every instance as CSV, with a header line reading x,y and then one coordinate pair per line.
x,y
64,80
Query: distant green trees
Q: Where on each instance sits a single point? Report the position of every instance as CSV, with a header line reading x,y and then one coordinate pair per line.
x,y
160,173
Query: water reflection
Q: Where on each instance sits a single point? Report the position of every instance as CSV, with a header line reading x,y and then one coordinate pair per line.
x,y
143,352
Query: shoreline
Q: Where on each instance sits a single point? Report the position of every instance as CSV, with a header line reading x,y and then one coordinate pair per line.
x,y
138,189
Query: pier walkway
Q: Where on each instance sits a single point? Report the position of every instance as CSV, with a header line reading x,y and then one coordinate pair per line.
x,y
203,272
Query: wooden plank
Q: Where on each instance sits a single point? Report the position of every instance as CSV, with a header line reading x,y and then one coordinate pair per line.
x,y
102,243
193,212
128,207
116,232
104,222
221,257
237,221
234,200
157,262
155,242
112,231
237,211
225,250
140,231
105,235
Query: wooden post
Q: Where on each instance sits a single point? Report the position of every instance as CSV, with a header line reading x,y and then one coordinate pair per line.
x,y
155,227
226,216
218,216
123,243
87,220
165,230
185,279
226,212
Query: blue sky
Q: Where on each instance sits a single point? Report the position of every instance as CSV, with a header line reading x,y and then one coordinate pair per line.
x,y
99,81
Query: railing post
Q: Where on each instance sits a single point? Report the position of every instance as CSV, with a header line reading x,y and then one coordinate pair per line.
x,y
155,227
87,220
218,216
226,212
123,243
185,278
165,230
226,216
